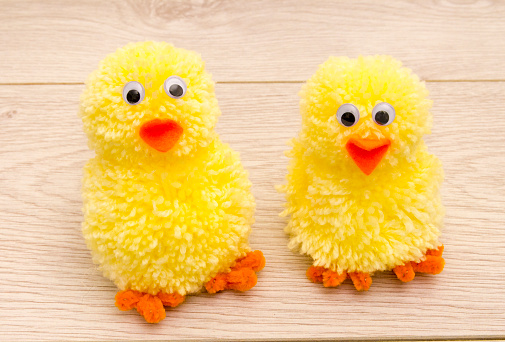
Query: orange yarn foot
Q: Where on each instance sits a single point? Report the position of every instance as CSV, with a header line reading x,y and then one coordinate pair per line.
x,y
433,264
315,274
242,276
253,260
216,284
405,272
127,299
333,279
151,308
241,280
329,278
361,281
148,306
171,299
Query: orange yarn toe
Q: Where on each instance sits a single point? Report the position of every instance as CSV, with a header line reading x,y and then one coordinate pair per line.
x,y
151,308
315,274
432,265
241,280
171,299
333,279
253,260
405,272
127,299
329,278
361,281
216,284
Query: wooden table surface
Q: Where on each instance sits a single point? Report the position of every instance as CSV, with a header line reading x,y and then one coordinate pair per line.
x,y
259,53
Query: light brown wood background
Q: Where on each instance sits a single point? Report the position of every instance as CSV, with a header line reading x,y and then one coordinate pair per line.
x,y
259,53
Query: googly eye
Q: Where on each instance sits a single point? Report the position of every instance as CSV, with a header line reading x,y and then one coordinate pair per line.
x,y
175,87
348,114
383,114
133,93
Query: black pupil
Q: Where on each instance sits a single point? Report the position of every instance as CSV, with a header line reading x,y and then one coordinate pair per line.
x,y
133,96
175,90
348,119
382,117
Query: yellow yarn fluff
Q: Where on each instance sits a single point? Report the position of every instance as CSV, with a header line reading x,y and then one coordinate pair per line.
x,y
160,222
344,219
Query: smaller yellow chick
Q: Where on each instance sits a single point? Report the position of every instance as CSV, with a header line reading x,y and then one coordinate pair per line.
x,y
167,206
363,191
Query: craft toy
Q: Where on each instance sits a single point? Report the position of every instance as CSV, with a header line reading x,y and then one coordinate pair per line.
x,y
363,191
167,205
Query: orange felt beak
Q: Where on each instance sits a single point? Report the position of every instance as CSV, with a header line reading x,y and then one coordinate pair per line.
x,y
161,134
367,153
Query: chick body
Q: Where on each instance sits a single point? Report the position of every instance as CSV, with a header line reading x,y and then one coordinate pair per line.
x,y
358,224
168,228
167,205
345,219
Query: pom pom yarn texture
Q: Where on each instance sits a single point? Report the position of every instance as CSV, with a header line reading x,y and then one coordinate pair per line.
x,y
346,220
160,222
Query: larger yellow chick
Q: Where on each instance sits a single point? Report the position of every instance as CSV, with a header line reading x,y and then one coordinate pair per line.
x,y
168,207
363,191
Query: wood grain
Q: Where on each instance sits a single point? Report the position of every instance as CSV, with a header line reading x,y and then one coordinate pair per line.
x,y
50,290
62,41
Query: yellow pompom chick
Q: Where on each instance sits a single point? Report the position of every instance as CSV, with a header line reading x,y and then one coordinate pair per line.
x,y
168,207
363,191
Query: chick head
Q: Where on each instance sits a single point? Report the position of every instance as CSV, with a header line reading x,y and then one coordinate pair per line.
x,y
149,100
364,114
